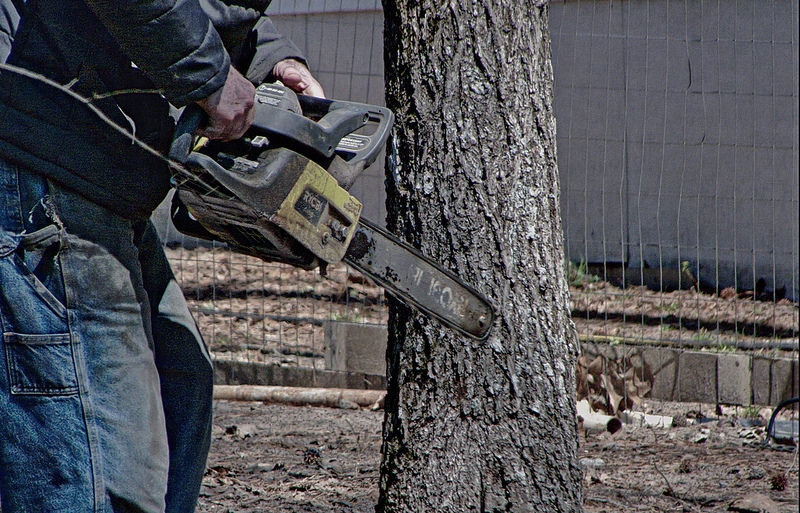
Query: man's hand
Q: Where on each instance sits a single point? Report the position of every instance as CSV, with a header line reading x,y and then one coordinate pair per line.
x,y
230,109
295,76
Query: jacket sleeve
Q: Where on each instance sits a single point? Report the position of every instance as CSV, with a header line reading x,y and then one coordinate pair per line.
x,y
173,41
233,22
269,47
253,42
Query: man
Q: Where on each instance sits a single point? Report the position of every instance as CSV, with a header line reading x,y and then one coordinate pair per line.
x,y
104,381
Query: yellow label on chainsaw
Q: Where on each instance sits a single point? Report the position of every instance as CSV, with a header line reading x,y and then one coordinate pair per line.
x,y
319,214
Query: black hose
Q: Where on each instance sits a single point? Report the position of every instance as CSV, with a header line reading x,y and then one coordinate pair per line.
x,y
781,405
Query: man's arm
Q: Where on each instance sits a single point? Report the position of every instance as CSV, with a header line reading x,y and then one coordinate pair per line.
x,y
260,52
256,47
172,41
175,43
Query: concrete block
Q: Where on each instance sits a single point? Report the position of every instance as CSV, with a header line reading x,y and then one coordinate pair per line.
x,y
760,383
783,384
663,364
733,375
608,351
355,347
697,377
229,372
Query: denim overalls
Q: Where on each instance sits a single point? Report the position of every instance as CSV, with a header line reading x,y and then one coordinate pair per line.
x,y
94,332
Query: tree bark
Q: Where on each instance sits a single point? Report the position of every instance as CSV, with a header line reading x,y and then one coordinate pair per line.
x,y
472,180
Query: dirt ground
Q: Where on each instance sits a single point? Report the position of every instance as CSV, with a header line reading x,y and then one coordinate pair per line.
x,y
271,457
280,458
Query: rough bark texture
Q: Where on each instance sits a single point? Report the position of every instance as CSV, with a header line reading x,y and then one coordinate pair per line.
x,y
473,181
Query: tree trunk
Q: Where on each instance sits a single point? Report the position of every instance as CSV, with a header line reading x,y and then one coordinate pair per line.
x,y
473,182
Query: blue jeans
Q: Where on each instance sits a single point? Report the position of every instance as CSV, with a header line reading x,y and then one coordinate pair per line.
x,y
186,374
105,385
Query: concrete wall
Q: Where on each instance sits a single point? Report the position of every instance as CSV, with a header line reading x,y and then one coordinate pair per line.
x,y
355,358
291,7
677,127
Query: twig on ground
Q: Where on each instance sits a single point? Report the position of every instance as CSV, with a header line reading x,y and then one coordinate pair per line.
x,y
670,490
601,500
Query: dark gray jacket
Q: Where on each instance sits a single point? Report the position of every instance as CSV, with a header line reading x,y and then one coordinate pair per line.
x,y
132,58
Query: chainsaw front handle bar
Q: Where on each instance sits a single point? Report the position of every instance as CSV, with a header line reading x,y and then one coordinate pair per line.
x,y
358,149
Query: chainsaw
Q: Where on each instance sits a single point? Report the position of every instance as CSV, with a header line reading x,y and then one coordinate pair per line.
x,y
280,193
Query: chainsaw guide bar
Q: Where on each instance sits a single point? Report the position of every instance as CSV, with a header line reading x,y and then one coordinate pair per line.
x,y
418,281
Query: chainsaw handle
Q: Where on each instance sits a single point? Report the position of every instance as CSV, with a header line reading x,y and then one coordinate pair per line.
x,y
192,117
314,127
320,138
357,150
319,127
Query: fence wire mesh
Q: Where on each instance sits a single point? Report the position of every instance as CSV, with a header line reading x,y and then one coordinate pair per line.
x,y
678,155
678,152
255,311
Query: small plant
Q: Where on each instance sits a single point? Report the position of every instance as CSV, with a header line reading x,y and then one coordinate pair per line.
x,y
345,317
703,335
578,274
686,273
750,412
671,308
724,348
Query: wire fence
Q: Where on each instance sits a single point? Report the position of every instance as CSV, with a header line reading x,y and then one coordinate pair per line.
x,y
678,155
678,150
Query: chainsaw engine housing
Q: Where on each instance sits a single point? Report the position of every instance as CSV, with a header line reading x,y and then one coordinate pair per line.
x,y
280,192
